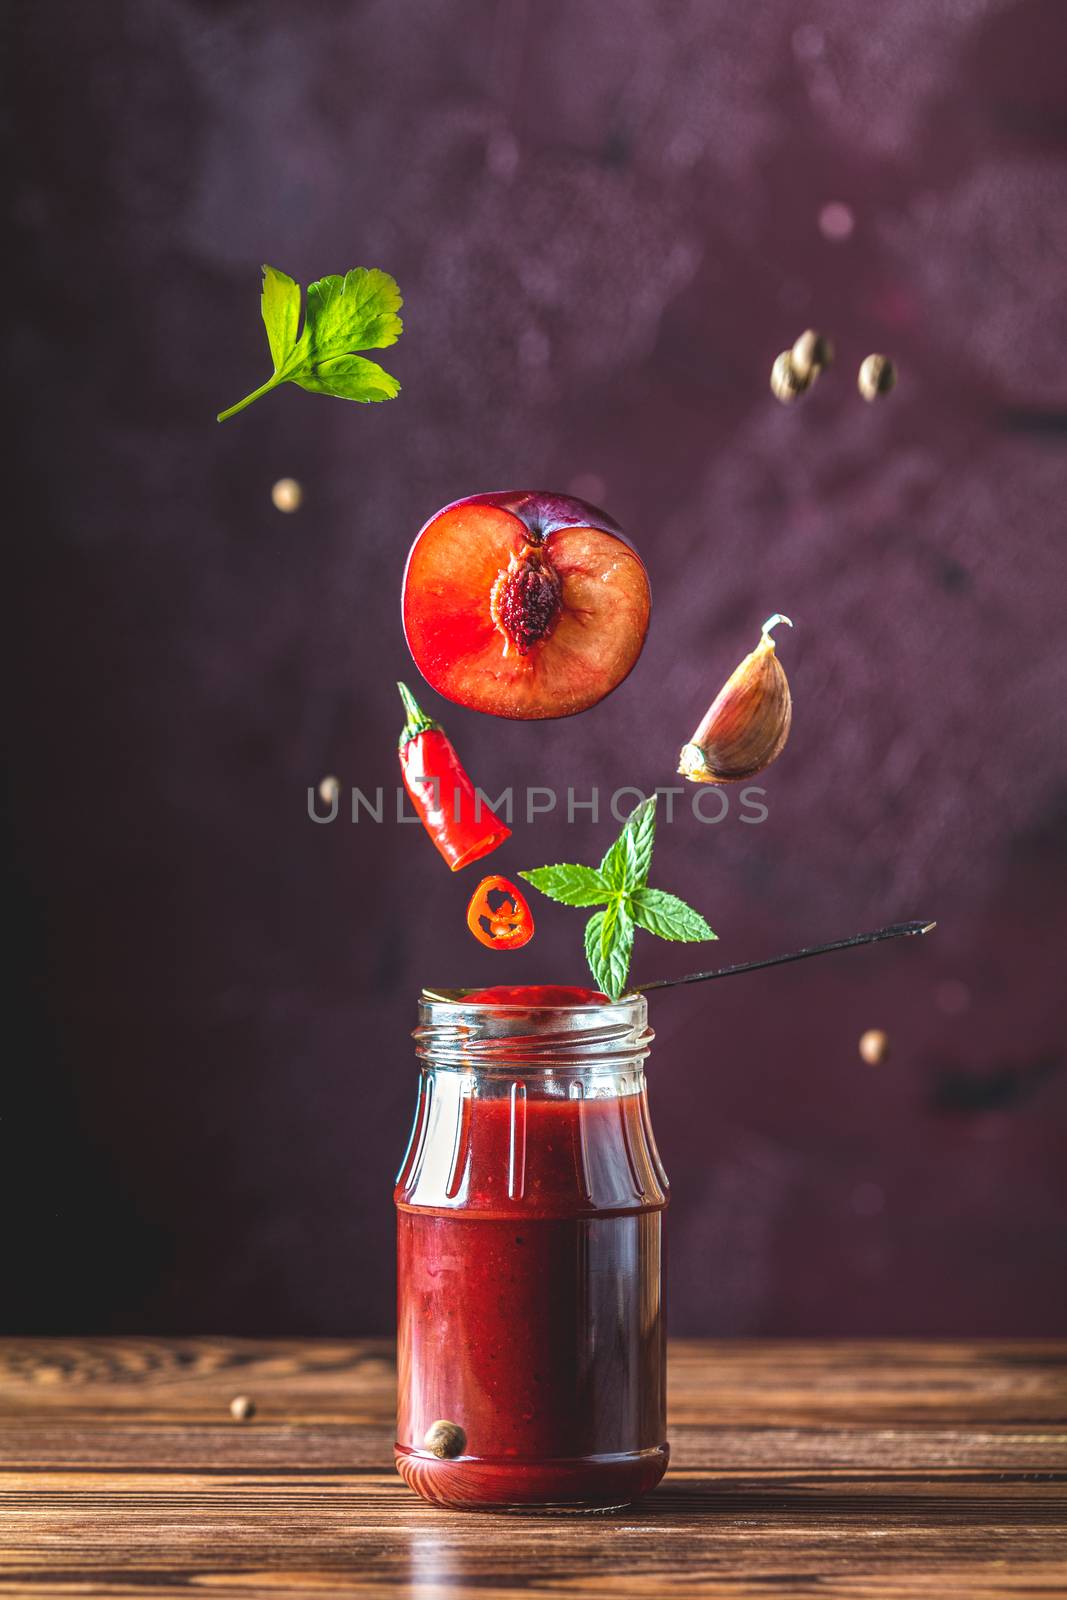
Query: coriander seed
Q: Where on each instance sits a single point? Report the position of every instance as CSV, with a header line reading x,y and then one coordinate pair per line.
x,y
287,494
874,1046
877,375
812,354
445,1439
787,384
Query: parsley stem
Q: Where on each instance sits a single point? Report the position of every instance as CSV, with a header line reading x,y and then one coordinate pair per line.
x,y
264,388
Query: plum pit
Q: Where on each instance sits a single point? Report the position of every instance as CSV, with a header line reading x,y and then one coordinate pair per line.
x,y
526,600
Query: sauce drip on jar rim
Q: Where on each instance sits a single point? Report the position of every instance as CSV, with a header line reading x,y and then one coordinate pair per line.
x,y
536,994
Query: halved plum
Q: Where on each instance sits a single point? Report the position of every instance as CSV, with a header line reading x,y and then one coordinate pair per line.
x,y
524,604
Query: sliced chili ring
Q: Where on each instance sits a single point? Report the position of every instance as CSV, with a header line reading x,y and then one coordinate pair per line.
x,y
498,915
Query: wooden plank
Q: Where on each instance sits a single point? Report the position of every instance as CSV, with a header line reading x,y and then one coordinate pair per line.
x,y
851,1470
266,1447
196,1378
723,1381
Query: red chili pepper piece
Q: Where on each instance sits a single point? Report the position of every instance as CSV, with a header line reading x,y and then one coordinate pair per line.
x,y
499,916
460,823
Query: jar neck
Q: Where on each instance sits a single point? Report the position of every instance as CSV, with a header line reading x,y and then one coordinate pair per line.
x,y
532,1109
588,1081
565,1050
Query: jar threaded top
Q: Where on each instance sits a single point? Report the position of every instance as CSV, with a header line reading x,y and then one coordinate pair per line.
x,y
467,1035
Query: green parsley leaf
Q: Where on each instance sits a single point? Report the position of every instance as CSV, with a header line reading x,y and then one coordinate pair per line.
x,y
280,304
620,885
569,884
350,378
343,315
356,312
668,917
610,965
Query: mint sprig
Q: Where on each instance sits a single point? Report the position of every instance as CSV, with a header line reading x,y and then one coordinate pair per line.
x,y
620,885
342,315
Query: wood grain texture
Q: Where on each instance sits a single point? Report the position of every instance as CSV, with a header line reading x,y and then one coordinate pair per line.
x,y
861,1470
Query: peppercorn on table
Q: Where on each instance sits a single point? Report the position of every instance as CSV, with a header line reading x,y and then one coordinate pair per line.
x,y
170,1466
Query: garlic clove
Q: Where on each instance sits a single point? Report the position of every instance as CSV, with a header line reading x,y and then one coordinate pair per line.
x,y
747,724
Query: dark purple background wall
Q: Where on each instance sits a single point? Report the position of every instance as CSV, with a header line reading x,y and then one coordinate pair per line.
x,y
605,218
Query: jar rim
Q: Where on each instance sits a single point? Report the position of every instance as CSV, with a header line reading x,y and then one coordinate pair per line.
x,y
457,1032
458,997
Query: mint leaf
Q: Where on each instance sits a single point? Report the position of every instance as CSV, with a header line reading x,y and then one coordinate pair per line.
x,y
609,965
668,917
609,925
281,314
593,952
620,884
619,867
343,316
569,884
641,829
626,864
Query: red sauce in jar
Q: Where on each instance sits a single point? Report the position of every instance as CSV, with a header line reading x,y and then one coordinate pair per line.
x,y
530,1282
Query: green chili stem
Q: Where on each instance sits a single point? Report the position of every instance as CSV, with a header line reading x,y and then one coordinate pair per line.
x,y
417,720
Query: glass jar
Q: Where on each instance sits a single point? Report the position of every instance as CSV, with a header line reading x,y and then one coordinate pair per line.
x,y
530,1259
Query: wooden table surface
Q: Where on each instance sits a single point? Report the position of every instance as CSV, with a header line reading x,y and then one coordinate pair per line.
x,y
869,1470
